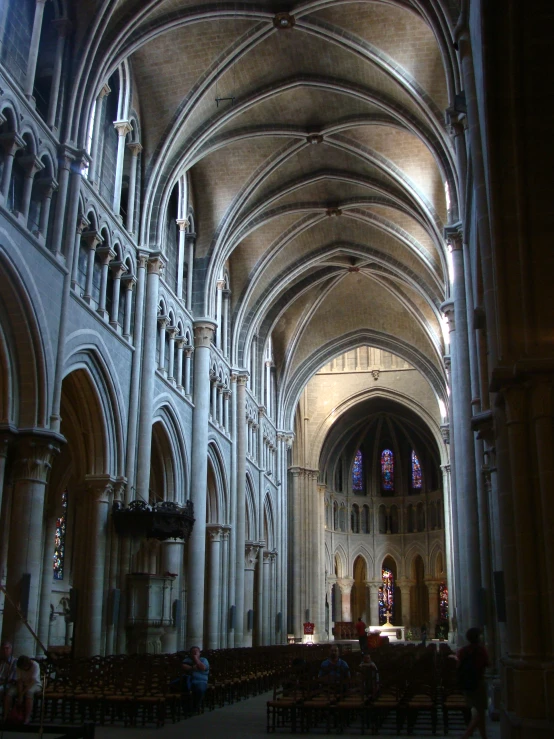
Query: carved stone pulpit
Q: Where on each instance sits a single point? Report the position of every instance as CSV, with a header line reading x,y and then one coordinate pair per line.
x,y
149,611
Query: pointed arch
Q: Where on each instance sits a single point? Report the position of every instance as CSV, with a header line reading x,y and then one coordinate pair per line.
x,y
269,523
218,498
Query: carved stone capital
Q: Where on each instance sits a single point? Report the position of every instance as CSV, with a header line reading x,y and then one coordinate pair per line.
x,y
118,269
203,332
122,127
345,584
106,254
135,148
445,433
33,459
250,555
454,236
99,487
213,531
156,264
182,223
92,239
447,309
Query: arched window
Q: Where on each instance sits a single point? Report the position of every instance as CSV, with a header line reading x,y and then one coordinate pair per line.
x,y
386,596
387,470
357,473
335,516
416,472
59,540
342,518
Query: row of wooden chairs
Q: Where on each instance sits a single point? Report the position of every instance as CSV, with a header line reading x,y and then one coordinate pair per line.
x,y
417,686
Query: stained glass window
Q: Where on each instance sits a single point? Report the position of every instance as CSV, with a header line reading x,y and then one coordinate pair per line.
x,y
357,472
59,541
443,602
387,470
386,596
416,472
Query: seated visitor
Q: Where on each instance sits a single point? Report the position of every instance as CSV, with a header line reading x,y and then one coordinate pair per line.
x,y
197,669
27,685
369,670
333,667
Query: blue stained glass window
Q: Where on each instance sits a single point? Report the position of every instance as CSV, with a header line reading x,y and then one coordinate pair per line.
x,y
357,472
387,470
59,541
416,472
443,602
386,596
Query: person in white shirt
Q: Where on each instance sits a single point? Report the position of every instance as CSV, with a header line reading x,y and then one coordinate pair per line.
x,y
27,685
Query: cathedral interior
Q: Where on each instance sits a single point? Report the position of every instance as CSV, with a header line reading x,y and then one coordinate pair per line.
x,y
276,327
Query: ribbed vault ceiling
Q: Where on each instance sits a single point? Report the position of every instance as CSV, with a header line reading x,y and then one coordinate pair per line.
x,y
322,187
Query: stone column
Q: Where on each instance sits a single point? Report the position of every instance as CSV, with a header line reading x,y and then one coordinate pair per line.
x,y
162,324
31,466
268,388
182,224
33,50
433,590
190,241
155,268
4,443
226,300
226,400
135,148
295,524
240,440
89,631
219,312
214,585
136,369
94,168
50,524
203,334
345,584
31,165
118,269
266,600
180,344
188,354
225,579
92,239
172,332
82,227
249,566
405,586
64,28
65,159
122,128
220,389
11,143
374,602
48,185
106,255
171,558
129,282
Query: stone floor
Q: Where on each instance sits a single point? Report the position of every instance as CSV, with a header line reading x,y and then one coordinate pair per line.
x,y
243,720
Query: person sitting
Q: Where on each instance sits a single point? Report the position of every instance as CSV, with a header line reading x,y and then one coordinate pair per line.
x,y
27,685
7,666
333,667
369,670
197,669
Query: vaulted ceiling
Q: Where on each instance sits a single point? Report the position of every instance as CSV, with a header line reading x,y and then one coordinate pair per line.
x,y
318,156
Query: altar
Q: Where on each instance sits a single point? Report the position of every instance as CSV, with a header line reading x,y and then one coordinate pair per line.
x,y
394,633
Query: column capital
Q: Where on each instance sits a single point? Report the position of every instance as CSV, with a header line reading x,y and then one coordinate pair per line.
x,y
118,268
34,455
106,254
172,331
203,332
182,223
135,148
11,142
104,91
156,263
162,320
214,531
142,259
220,284
456,121
129,281
432,587
454,236
447,309
122,127
99,487
31,163
48,185
345,584
92,239
250,555
445,432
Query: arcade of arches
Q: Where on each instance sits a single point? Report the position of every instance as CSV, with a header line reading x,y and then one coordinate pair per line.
x,y
287,265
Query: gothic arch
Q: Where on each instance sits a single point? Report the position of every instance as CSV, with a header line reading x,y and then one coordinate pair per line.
x,y
22,353
269,522
251,517
218,505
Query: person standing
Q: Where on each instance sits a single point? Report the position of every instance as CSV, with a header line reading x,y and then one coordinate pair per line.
x,y
362,635
473,660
